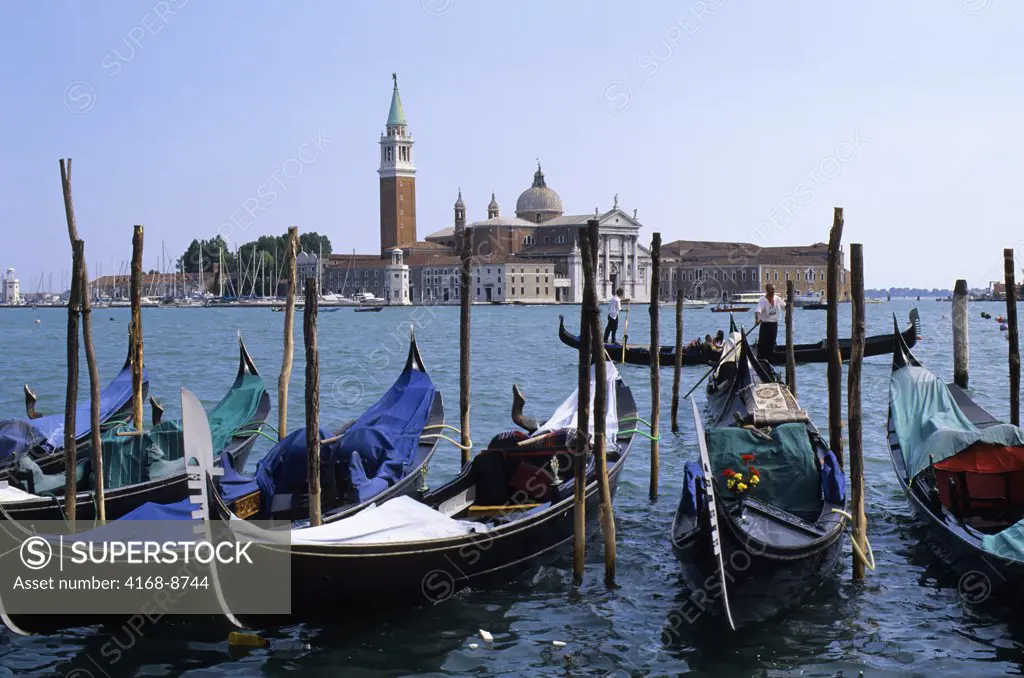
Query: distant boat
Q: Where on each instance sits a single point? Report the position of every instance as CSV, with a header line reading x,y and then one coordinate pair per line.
x,y
367,309
723,308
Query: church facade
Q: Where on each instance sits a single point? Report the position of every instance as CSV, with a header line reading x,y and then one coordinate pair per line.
x,y
532,257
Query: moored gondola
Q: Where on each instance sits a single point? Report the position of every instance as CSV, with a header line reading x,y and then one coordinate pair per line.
x,y
382,454
636,354
146,468
42,437
507,510
177,528
760,521
963,473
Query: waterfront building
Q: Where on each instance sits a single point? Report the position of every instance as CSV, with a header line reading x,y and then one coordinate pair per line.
x,y
718,271
532,257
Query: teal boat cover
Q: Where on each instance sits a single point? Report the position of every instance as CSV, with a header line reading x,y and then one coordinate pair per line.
x,y
790,479
129,460
930,426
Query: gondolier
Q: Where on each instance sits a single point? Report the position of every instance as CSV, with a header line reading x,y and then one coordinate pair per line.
x,y
614,306
769,311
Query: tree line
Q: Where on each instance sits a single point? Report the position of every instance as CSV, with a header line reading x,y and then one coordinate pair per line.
x,y
255,263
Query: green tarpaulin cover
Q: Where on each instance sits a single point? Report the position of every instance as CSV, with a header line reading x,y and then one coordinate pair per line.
x,y
929,424
789,473
129,460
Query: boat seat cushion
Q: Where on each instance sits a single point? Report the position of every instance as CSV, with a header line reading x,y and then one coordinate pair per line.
x,y
982,480
790,479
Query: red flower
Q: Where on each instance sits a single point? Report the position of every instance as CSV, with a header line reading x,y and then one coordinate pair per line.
x,y
747,457
754,471
728,473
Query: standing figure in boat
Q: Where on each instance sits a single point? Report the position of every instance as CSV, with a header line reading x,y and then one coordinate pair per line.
x,y
614,306
769,310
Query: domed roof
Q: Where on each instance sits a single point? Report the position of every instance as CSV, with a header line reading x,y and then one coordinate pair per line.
x,y
538,200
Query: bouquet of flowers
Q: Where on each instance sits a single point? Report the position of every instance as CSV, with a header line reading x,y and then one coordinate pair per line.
x,y
737,482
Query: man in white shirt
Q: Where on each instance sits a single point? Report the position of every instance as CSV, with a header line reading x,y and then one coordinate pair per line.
x,y
614,306
769,312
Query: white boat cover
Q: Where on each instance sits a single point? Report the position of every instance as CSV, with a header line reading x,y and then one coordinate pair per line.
x,y
14,494
402,519
565,416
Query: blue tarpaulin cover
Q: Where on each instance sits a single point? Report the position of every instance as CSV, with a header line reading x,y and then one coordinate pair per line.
x,y
377,448
929,424
693,478
833,480
19,435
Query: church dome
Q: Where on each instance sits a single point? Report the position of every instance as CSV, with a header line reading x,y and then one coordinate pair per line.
x,y
538,203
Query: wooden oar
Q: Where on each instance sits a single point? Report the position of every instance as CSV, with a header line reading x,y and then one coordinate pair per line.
x,y
708,373
716,535
625,334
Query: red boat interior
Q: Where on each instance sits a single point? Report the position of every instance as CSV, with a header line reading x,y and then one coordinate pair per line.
x,y
983,485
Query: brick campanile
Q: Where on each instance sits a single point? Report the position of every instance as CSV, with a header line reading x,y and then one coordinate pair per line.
x,y
397,180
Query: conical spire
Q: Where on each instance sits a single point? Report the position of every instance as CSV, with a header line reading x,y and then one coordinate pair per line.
x,y
459,203
492,207
396,116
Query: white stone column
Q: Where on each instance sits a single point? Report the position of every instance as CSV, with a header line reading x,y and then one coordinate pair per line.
x,y
636,274
606,241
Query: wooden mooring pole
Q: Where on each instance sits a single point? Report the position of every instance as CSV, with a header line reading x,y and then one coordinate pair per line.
x,y
465,305
579,464
90,353
961,339
790,354
655,309
835,361
600,413
291,273
71,399
312,399
853,393
677,368
135,331
1011,321
95,440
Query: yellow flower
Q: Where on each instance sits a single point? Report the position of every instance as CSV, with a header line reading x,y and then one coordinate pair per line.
x,y
742,487
738,477
755,480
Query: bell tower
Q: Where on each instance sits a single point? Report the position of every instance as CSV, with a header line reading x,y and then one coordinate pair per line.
x,y
397,180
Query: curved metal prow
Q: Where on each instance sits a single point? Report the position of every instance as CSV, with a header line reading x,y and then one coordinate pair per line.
x,y
901,354
415,360
157,410
30,404
518,401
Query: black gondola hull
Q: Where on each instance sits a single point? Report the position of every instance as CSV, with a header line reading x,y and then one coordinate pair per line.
x,y
804,353
760,581
327,581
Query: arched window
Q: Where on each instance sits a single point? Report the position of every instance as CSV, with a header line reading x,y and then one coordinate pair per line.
x,y
529,240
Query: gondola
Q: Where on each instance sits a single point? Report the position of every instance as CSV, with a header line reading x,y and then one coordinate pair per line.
x,y
963,473
368,309
726,308
382,454
42,437
805,353
176,526
703,354
507,510
147,468
814,307
751,548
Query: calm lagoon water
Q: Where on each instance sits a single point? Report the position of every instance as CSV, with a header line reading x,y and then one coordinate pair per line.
x,y
906,619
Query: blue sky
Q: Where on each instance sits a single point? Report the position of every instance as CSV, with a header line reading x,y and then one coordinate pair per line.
x,y
715,119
